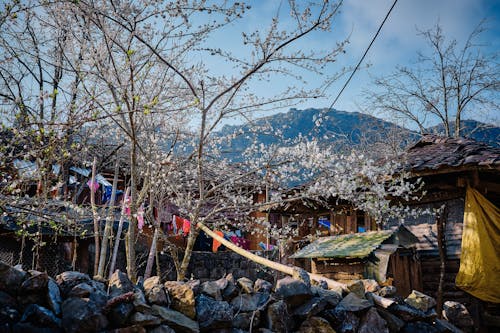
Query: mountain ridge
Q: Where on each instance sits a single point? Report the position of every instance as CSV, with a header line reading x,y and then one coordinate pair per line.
x,y
341,128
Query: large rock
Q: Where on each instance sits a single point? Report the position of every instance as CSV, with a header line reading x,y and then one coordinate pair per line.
x,y
277,317
457,314
162,329
316,325
394,324
407,313
293,291
212,314
36,282
353,303
246,285
261,285
82,315
213,289
40,316
144,319
357,287
388,291
11,278
310,308
178,321
67,280
7,300
230,291
350,323
155,292
119,284
371,322
81,290
31,328
140,303
245,320
444,326
420,301
419,327
332,297
54,299
120,313
182,298
9,315
249,302
128,329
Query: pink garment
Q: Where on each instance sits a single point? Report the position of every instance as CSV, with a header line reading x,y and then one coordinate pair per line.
x,y
127,206
93,187
140,217
241,242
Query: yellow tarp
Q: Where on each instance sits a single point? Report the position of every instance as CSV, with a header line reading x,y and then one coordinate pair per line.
x,y
480,259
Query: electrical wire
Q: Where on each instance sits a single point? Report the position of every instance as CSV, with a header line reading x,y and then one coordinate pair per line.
x,y
363,57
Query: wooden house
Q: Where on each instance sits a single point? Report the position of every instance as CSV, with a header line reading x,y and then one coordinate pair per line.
x,y
448,166
380,255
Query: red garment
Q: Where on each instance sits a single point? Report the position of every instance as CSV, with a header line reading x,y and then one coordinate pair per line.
x,y
177,223
216,243
186,226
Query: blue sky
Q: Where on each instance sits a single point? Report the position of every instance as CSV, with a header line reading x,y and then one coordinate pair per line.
x,y
397,43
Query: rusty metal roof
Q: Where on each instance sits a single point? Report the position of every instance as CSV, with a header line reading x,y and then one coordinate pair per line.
x,y
434,152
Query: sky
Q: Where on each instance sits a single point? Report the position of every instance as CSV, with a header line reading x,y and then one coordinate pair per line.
x,y
397,43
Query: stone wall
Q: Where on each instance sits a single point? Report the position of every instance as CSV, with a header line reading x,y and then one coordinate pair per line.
x,y
203,265
212,266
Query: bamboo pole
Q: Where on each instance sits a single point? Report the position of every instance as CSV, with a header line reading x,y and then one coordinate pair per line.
x,y
95,217
119,233
110,219
290,270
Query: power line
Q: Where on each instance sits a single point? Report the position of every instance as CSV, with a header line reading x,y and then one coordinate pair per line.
x,y
363,57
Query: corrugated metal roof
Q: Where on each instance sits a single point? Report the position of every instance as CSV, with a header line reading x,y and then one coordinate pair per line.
x,y
347,246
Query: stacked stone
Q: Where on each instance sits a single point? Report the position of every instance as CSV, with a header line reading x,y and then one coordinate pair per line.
x,y
73,302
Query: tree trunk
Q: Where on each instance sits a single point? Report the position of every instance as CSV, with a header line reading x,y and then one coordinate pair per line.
x,y
110,219
95,217
152,254
266,262
130,239
118,234
441,227
193,234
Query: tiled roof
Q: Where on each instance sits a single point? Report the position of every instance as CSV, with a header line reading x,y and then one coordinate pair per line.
x,y
434,152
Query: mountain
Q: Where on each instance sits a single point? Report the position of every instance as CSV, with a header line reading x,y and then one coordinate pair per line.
x,y
340,128
333,127
474,129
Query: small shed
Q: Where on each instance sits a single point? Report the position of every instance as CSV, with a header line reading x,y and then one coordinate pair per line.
x,y
387,256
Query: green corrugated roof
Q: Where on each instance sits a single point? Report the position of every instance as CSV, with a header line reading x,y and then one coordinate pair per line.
x,y
347,246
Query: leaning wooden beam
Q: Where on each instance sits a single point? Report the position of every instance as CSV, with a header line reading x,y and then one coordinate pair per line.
x,y
332,284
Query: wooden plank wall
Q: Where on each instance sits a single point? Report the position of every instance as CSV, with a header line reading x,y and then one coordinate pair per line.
x,y
430,280
406,273
338,271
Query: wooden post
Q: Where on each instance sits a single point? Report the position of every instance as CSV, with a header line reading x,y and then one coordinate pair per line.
x,y
441,230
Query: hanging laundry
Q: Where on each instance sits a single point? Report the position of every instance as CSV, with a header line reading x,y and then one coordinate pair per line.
x,y
176,224
186,227
106,195
216,244
127,205
140,217
93,186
